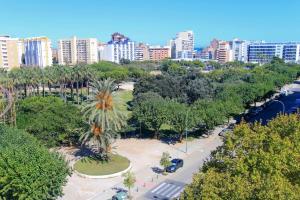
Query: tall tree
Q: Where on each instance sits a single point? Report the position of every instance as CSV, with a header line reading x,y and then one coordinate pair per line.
x,y
102,112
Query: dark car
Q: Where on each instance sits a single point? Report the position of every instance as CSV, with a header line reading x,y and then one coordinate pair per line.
x,y
176,164
120,196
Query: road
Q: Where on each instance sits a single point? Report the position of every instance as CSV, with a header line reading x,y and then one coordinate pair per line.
x,y
192,162
273,109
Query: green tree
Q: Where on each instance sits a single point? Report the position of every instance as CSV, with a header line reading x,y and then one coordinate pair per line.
x,y
27,169
129,181
104,116
152,113
255,162
50,120
165,161
179,117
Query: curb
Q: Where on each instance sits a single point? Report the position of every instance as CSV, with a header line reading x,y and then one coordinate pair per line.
x,y
104,176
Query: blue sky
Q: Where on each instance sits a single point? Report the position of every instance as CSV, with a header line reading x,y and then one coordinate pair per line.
x,y
153,21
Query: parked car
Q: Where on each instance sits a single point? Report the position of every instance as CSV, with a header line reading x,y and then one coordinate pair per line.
x,y
120,196
176,164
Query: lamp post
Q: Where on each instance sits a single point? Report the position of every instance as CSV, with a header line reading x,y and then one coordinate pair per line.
x,y
186,145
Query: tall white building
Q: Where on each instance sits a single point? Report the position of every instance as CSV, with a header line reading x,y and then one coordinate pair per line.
x,y
240,50
37,52
73,51
120,47
182,47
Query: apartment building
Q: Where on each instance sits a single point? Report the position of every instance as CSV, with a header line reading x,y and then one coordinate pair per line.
x,y
119,47
224,52
73,51
263,52
159,53
240,50
182,47
141,52
10,52
37,52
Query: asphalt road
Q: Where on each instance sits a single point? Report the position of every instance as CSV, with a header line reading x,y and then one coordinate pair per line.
x,y
184,175
273,109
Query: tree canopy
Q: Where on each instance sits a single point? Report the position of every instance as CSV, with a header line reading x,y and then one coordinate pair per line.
x,y
50,119
255,162
27,169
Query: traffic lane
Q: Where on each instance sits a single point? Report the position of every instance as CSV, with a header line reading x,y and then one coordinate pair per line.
x,y
192,164
272,110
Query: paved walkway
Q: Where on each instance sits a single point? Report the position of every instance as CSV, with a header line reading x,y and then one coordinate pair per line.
x,y
144,155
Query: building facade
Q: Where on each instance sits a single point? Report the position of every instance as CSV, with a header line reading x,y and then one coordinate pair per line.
x,y
159,53
73,51
263,52
141,52
10,52
118,48
182,47
240,50
224,52
37,52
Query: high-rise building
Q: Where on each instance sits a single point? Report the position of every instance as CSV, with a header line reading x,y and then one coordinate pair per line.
x,y
37,52
119,47
73,51
240,50
159,53
141,52
262,52
54,55
10,52
224,52
182,47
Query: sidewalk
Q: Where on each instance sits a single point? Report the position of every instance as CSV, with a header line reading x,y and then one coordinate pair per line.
x,y
147,179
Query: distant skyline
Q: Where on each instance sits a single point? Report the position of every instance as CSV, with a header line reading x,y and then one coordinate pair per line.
x,y
154,22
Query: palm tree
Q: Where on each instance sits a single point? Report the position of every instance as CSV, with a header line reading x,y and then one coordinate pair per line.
x,y
105,119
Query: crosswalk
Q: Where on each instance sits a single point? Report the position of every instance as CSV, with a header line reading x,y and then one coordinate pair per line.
x,y
167,190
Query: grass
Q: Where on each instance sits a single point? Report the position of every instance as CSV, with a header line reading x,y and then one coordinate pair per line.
x,y
125,97
94,167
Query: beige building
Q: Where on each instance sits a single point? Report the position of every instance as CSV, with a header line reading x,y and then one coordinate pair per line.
x,y
159,53
73,51
224,52
10,52
141,52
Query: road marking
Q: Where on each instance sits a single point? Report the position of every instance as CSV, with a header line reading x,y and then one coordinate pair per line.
x,y
178,193
174,191
162,189
153,191
168,190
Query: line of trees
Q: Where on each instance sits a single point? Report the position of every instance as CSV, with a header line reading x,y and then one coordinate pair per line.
x,y
255,162
187,98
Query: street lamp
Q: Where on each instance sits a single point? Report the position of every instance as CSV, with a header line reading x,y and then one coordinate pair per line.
x,y
186,145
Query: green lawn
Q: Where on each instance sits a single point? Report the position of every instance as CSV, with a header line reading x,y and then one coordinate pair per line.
x,y
91,166
124,97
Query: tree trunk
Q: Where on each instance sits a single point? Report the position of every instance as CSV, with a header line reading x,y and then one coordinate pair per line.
x,y
181,136
156,134
88,87
77,93
72,93
43,89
